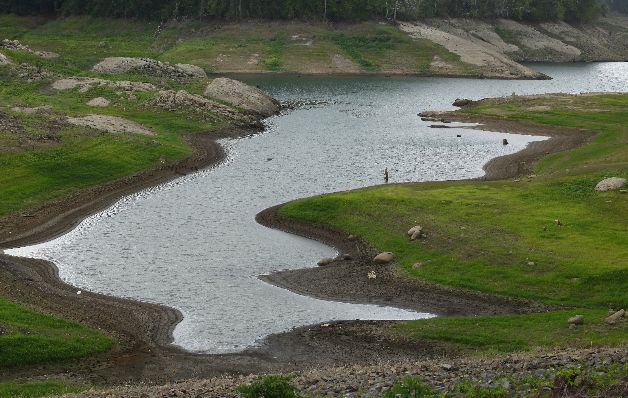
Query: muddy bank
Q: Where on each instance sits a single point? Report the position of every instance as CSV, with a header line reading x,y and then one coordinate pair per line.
x,y
347,280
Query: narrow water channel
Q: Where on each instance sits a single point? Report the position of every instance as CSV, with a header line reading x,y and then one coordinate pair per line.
x,y
193,244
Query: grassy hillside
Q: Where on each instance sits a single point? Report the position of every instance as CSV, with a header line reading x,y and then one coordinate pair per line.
x,y
501,237
246,47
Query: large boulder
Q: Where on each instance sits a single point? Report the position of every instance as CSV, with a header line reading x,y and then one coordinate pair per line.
x,y
610,184
118,65
384,258
4,60
243,96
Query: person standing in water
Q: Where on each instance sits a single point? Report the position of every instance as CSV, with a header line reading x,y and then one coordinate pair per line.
x,y
386,175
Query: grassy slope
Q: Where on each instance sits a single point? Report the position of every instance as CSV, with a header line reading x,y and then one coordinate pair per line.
x,y
31,338
500,237
247,47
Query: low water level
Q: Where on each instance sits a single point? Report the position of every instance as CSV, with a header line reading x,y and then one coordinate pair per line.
x,y
194,245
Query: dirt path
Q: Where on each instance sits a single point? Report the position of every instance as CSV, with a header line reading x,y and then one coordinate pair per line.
x,y
145,331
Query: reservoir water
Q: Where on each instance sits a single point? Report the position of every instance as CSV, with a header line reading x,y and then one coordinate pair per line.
x,y
193,244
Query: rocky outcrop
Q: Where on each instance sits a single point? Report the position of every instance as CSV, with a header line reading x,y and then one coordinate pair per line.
x,y
197,106
242,96
495,49
610,184
118,65
17,46
4,60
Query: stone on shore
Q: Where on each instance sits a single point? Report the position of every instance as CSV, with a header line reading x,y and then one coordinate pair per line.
x,y
610,184
384,258
576,320
326,261
243,96
461,102
612,319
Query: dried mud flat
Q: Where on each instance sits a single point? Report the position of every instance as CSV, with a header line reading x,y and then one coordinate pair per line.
x,y
144,331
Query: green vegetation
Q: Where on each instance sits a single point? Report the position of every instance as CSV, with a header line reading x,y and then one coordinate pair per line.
x,y
37,389
502,236
506,334
334,10
31,338
271,386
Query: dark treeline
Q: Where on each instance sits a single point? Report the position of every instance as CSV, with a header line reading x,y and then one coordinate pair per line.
x,y
618,5
334,10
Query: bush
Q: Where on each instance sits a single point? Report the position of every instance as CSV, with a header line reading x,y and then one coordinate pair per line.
x,y
272,386
409,387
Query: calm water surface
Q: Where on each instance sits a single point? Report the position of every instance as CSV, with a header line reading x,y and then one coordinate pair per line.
x,y
194,245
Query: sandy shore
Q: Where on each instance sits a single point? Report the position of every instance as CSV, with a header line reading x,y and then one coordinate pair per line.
x,y
144,331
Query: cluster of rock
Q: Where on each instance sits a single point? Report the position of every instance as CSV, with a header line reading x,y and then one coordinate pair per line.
x,y
4,60
612,318
196,106
17,46
118,65
243,96
501,373
31,73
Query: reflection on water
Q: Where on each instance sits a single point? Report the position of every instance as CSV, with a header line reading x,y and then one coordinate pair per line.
x,y
194,245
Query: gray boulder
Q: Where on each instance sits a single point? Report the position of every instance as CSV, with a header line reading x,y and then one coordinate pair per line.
x,y
610,184
243,96
384,258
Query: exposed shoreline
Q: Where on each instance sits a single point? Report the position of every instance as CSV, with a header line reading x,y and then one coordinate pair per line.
x,y
145,330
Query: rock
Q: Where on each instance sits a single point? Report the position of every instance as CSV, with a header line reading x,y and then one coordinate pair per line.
x,y
371,275
417,265
191,104
610,184
414,229
612,319
344,257
99,101
415,232
352,238
118,65
192,70
4,60
384,258
439,126
504,142
325,261
576,320
461,102
243,96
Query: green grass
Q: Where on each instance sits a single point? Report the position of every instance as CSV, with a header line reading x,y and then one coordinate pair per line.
x,y
506,334
32,338
500,237
37,389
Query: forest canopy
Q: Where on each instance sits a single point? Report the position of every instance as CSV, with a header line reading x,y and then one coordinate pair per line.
x,y
333,10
